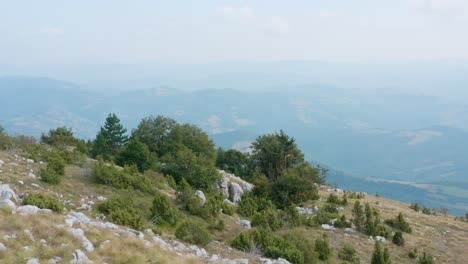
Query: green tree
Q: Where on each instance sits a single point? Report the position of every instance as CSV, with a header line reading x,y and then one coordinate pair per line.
x,y
273,153
323,249
398,239
59,137
348,253
162,210
100,147
5,140
358,216
293,188
136,153
199,171
426,259
154,132
379,256
234,161
114,134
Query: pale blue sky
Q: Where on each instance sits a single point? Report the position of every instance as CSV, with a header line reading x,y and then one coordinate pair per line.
x,y
199,31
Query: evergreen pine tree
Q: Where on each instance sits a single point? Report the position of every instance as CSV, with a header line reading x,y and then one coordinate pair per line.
x,y
358,216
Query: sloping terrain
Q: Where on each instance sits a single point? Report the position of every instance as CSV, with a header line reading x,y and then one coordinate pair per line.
x,y
81,235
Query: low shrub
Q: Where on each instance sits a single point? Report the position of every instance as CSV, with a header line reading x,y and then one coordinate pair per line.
x,y
348,253
323,249
342,223
162,210
243,242
247,206
398,239
43,201
268,218
426,259
413,253
54,171
129,177
121,210
193,233
399,223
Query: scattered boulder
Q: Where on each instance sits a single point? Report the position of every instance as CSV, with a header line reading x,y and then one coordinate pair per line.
x,y
6,193
54,260
327,227
79,233
79,257
381,239
31,209
202,197
235,192
31,175
33,261
2,247
245,223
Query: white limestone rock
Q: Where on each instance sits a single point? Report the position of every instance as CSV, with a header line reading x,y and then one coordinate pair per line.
x,y
79,257
201,196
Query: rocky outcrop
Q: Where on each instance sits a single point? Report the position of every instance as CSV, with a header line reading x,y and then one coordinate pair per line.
x,y
233,187
79,257
201,196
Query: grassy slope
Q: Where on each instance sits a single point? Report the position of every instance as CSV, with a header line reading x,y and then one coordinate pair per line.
x,y
441,236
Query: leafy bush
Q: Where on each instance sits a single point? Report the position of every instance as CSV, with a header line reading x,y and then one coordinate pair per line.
x,y
323,249
129,177
247,206
268,218
228,209
323,217
243,242
413,253
54,171
162,210
43,201
415,207
399,223
193,233
275,246
121,210
426,210
426,259
348,253
303,243
398,239
342,223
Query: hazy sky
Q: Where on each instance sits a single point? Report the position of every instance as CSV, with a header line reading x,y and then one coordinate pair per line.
x,y
200,31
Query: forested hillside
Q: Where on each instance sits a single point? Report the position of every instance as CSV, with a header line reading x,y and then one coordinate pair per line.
x,y
163,193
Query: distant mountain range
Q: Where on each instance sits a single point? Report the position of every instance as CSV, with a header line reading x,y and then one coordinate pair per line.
x,y
405,146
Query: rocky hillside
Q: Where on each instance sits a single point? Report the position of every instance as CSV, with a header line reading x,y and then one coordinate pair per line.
x,y
79,234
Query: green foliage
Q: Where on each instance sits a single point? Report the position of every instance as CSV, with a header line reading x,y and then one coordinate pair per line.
x,y
348,253
59,137
379,257
323,249
136,153
426,211
399,223
162,210
341,222
247,206
228,209
355,195
193,233
295,186
43,201
324,217
413,253
303,243
54,171
243,242
334,199
398,239
121,209
110,138
197,170
5,140
275,246
358,216
154,132
191,137
268,218
273,153
234,161
415,207
129,177
426,259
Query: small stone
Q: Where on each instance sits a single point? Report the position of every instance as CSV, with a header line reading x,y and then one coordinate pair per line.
x,y
33,261
2,247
